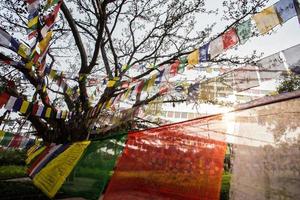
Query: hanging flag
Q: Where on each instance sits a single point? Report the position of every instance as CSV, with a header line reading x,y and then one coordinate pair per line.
x,y
4,97
39,110
285,9
229,38
216,47
11,102
174,67
139,87
204,56
266,20
2,133
151,82
17,105
51,177
151,167
244,31
193,58
24,107
94,185
292,58
159,76
16,141
6,139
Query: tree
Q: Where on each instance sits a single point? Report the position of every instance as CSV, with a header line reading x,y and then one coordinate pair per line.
x,y
289,83
105,39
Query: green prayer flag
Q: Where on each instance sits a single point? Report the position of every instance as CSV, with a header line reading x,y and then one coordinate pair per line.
x,y
244,31
6,139
90,176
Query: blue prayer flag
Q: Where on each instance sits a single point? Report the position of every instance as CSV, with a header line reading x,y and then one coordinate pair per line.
x,y
204,53
285,9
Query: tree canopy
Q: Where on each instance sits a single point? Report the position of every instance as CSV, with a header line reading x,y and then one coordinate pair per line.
x,y
67,48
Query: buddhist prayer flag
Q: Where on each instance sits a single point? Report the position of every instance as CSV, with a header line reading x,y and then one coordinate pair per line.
x,y
151,82
193,58
266,20
174,67
16,141
6,139
244,31
139,87
24,107
159,76
168,163
18,104
100,159
216,47
51,177
229,38
4,97
285,9
11,102
292,58
204,56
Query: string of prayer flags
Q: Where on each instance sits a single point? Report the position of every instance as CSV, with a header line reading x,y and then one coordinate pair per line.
x,y
285,9
266,20
203,50
51,177
216,47
193,58
244,31
4,97
6,40
291,56
14,140
229,38
33,17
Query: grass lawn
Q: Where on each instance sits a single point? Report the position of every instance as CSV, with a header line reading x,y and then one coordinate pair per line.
x,y
12,171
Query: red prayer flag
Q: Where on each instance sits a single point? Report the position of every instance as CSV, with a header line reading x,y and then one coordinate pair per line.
x,y
16,141
174,67
170,162
3,99
230,38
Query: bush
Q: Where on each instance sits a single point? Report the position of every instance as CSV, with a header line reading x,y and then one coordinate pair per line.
x,y
12,171
12,157
225,186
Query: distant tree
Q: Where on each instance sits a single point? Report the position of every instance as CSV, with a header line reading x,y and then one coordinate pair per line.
x,y
289,83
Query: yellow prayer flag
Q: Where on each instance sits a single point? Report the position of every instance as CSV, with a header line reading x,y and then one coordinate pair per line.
x,y
48,113
45,42
51,177
111,83
52,73
29,65
266,19
151,82
69,91
24,107
1,135
22,51
34,154
109,103
193,58
33,22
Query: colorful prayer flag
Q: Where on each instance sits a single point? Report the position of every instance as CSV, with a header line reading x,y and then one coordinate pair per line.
x,y
159,76
90,162
159,163
174,67
285,9
24,107
204,56
216,47
266,20
244,31
229,38
11,102
193,58
51,177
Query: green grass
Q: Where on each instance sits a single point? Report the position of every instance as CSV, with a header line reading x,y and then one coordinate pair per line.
x,y
12,171
10,190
